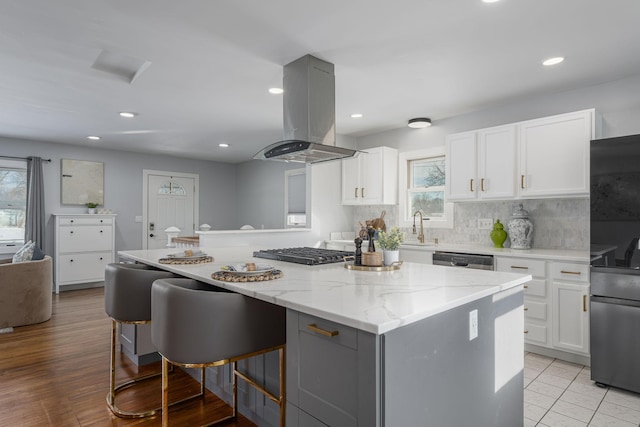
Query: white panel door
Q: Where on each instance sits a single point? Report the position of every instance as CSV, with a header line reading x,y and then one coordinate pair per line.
x,y
170,203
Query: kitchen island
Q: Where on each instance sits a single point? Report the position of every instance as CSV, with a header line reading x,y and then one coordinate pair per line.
x,y
422,345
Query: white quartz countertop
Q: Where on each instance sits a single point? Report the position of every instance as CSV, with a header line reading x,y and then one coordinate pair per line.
x,y
375,302
552,254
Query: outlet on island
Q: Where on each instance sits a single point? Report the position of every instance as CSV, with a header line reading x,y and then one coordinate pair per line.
x,y
485,223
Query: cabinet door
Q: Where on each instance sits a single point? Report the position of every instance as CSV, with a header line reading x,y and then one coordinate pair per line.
x,y
351,180
461,166
554,155
497,162
570,316
82,267
371,190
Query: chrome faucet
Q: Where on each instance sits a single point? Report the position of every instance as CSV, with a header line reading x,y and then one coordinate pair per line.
x,y
421,235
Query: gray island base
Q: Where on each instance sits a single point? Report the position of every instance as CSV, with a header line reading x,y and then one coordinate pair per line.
x,y
383,349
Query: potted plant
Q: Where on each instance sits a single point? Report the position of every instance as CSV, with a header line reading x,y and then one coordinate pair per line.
x,y
91,207
390,243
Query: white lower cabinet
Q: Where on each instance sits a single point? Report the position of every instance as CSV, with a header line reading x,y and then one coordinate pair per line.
x,y
570,296
556,302
84,245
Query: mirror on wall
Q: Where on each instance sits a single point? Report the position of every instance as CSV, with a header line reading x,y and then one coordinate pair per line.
x,y
81,182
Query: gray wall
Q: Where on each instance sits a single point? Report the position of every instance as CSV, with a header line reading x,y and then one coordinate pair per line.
x,y
123,185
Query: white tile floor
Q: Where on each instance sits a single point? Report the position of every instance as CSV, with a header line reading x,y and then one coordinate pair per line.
x,y
561,394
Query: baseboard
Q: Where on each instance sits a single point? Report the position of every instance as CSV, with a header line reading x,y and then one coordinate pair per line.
x,y
557,354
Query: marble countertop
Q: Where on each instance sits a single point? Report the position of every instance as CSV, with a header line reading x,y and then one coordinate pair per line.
x,y
375,302
552,254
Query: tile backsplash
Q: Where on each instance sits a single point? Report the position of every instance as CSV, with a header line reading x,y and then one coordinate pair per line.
x,y
557,223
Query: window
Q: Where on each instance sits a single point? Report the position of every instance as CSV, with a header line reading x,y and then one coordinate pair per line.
x,y
13,201
422,188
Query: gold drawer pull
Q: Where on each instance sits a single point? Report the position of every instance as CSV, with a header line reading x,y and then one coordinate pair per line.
x,y
570,272
518,267
526,332
526,309
584,303
526,286
471,185
314,328
522,181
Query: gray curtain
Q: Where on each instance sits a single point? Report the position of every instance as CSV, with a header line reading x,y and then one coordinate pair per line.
x,y
34,227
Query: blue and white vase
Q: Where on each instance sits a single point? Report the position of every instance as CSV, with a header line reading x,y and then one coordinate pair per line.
x,y
520,229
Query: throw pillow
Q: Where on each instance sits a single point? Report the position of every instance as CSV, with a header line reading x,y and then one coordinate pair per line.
x,y
37,253
25,253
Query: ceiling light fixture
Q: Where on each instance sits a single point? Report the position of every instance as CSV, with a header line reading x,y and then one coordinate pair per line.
x,y
490,1
127,114
276,90
223,145
356,115
93,137
553,61
420,122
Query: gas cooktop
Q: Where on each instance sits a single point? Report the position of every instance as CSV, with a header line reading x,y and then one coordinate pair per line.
x,y
308,256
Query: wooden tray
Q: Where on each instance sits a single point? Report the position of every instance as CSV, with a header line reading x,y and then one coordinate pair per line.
x,y
230,276
395,266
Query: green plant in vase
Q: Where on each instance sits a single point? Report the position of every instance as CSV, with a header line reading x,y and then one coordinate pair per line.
x,y
390,243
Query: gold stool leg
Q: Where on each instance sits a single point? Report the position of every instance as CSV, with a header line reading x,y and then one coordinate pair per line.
x,y
165,392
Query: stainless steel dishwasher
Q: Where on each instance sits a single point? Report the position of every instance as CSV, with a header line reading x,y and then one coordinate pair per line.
x,y
459,259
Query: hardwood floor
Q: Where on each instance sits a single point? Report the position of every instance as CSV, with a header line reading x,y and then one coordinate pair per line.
x,y
57,374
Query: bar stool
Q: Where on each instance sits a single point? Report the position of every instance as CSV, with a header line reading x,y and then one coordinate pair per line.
x,y
127,299
198,325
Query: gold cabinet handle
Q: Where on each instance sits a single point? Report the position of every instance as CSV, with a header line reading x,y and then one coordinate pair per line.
x,y
482,184
526,286
570,272
314,328
518,267
526,332
471,185
584,303
526,309
355,192
362,192
522,181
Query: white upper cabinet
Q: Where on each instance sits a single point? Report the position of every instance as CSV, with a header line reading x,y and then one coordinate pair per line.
x,y
547,157
481,164
371,178
554,155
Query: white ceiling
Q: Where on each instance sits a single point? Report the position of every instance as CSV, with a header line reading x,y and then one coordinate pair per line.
x,y
213,61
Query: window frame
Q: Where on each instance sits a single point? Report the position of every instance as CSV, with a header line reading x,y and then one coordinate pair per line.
x,y
404,174
11,246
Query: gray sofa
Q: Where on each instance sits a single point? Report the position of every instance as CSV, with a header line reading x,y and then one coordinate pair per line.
x,y
25,292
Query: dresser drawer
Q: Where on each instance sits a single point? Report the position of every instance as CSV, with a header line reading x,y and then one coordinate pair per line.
x,y
535,310
86,221
535,334
536,288
570,271
85,238
521,265
85,267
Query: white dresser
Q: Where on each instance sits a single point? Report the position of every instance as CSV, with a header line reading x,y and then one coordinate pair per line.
x,y
84,245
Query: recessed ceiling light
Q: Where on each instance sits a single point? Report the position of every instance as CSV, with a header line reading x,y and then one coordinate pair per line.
x,y
356,115
127,114
490,1
223,145
553,61
276,90
93,137
420,122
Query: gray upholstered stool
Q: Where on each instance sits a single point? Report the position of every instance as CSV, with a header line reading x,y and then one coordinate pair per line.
x,y
198,325
127,299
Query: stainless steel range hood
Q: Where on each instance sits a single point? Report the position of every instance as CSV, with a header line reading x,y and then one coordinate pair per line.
x,y
309,115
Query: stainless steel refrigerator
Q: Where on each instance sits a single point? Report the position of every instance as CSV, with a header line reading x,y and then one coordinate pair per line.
x,y
615,264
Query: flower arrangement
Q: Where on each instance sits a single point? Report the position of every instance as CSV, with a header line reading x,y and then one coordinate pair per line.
x,y
390,241
91,205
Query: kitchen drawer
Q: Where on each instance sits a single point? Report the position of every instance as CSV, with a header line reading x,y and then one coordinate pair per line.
x,y
535,334
343,335
570,271
85,238
521,265
85,221
536,288
83,267
535,310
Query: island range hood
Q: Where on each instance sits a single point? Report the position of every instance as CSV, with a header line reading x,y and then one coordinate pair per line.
x,y
309,115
